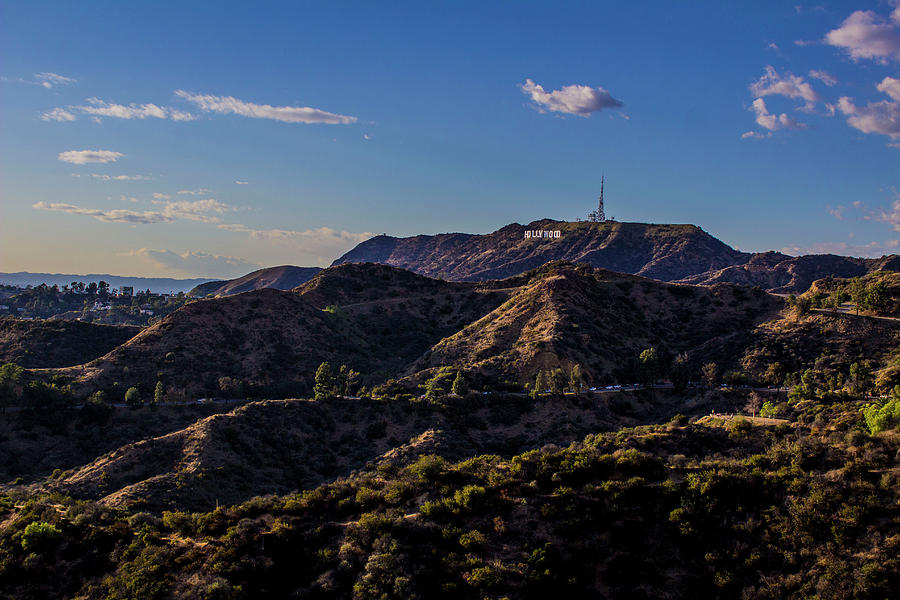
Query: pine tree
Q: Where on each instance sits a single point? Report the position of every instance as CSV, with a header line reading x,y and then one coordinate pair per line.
x,y
158,394
459,386
326,384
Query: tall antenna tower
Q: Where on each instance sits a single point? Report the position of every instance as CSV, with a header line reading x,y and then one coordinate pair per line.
x,y
599,215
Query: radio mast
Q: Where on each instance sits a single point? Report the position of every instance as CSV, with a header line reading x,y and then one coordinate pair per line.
x,y
599,215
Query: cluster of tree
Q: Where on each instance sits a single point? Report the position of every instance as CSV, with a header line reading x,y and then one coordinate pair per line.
x,y
558,380
331,384
45,301
445,380
865,295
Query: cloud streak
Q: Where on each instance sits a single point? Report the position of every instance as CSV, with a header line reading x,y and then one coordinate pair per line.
x,y
48,80
83,157
107,216
580,100
229,105
196,264
320,245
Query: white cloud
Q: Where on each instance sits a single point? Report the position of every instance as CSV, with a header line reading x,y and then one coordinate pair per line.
x,y
48,80
865,34
125,198
228,105
195,210
581,100
316,246
57,114
239,182
871,250
203,211
754,135
161,196
83,157
824,76
891,217
196,264
770,121
197,192
790,85
891,87
119,177
107,216
876,117
837,213
99,108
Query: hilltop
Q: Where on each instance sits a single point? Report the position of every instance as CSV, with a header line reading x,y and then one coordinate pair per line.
x,y
674,253
284,277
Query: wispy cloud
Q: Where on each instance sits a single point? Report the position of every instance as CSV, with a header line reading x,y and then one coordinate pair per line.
x,y
891,87
48,80
58,114
789,85
197,192
837,213
83,157
107,216
321,245
196,264
161,196
581,100
203,211
891,216
870,250
229,105
867,35
754,135
119,177
99,108
824,76
239,182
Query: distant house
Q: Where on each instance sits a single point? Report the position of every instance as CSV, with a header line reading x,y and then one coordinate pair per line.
x,y
127,290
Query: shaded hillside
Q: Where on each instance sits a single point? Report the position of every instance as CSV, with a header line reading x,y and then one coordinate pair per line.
x,y
664,252
55,343
375,319
266,339
277,446
601,320
280,278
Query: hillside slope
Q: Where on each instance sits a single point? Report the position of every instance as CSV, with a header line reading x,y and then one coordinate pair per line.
x,y
284,277
55,343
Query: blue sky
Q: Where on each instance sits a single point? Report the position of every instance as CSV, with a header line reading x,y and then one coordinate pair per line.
x,y
208,139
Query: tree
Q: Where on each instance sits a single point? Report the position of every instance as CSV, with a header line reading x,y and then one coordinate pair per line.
x,y
557,381
92,289
158,394
710,373
10,376
576,378
326,384
347,380
857,290
681,372
436,386
133,397
754,403
459,387
649,365
540,384
103,290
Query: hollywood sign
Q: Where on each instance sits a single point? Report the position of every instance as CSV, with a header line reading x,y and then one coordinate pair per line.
x,y
542,233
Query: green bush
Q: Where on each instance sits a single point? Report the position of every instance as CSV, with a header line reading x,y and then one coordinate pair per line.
x,y
40,536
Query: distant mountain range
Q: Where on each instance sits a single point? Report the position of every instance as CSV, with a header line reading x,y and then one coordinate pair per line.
x,y
674,253
159,285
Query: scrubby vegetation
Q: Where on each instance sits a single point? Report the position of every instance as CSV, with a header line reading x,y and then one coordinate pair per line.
x,y
675,510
